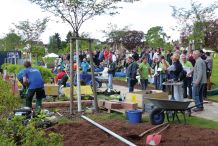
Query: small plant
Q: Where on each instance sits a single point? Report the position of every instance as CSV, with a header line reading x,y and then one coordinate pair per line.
x,y
13,132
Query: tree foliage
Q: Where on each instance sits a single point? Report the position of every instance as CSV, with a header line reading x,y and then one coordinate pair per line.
x,y
156,37
76,12
123,37
132,39
55,43
187,17
114,35
31,31
11,42
211,36
195,23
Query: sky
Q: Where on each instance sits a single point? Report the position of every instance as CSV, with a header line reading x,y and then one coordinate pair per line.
x,y
139,16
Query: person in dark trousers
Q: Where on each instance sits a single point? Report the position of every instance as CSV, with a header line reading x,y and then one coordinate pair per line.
x,y
32,78
131,73
187,82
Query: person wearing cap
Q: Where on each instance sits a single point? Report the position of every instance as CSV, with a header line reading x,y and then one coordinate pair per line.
x,y
131,73
187,82
32,78
85,66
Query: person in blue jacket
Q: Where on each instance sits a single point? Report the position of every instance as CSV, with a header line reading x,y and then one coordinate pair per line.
x,y
32,78
84,66
20,75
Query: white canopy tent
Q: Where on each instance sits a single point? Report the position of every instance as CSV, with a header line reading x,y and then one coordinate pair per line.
x,y
210,51
51,55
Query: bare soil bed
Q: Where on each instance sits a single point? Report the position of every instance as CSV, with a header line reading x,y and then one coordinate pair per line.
x,y
84,134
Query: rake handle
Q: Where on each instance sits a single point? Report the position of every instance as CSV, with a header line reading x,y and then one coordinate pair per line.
x,y
147,131
163,129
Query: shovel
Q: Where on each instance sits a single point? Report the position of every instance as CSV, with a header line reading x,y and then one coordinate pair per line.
x,y
155,138
146,132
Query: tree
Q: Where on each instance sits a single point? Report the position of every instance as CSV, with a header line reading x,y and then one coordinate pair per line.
x,y
55,43
114,35
11,42
38,51
132,39
194,22
31,31
76,12
69,35
156,37
211,37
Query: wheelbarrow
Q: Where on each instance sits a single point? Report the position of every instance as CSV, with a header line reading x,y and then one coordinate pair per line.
x,y
170,108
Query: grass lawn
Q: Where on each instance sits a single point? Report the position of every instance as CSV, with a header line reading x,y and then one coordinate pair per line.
x,y
120,78
214,77
199,122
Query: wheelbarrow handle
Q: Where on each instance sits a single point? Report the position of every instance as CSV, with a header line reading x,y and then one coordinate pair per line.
x,y
195,105
149,130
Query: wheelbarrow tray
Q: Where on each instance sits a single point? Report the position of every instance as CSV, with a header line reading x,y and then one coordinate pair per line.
x,y
170,104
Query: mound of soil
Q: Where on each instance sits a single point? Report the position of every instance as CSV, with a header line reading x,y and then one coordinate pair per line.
x,y
85,134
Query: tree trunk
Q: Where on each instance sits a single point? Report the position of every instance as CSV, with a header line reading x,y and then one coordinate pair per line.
x,y
93,77
71,76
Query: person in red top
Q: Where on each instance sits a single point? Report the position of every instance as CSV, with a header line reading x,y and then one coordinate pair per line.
x,y
60,75
107,55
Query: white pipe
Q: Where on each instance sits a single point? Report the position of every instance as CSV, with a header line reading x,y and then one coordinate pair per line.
x,y
109,131
78,77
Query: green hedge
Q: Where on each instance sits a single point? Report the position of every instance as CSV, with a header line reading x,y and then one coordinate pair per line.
x,y
12,68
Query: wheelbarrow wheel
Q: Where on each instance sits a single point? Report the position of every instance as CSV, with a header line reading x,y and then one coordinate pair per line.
x,y
157,116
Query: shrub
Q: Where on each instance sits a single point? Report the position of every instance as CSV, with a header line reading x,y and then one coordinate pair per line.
x,y
8,102
13,132
12,68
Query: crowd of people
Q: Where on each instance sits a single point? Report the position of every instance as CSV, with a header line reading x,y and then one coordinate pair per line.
x,y
193,68
155,66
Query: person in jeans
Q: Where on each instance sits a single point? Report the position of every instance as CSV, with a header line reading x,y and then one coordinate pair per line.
x,y
163,65
32,78
144,71
111,73
199,80
131,73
